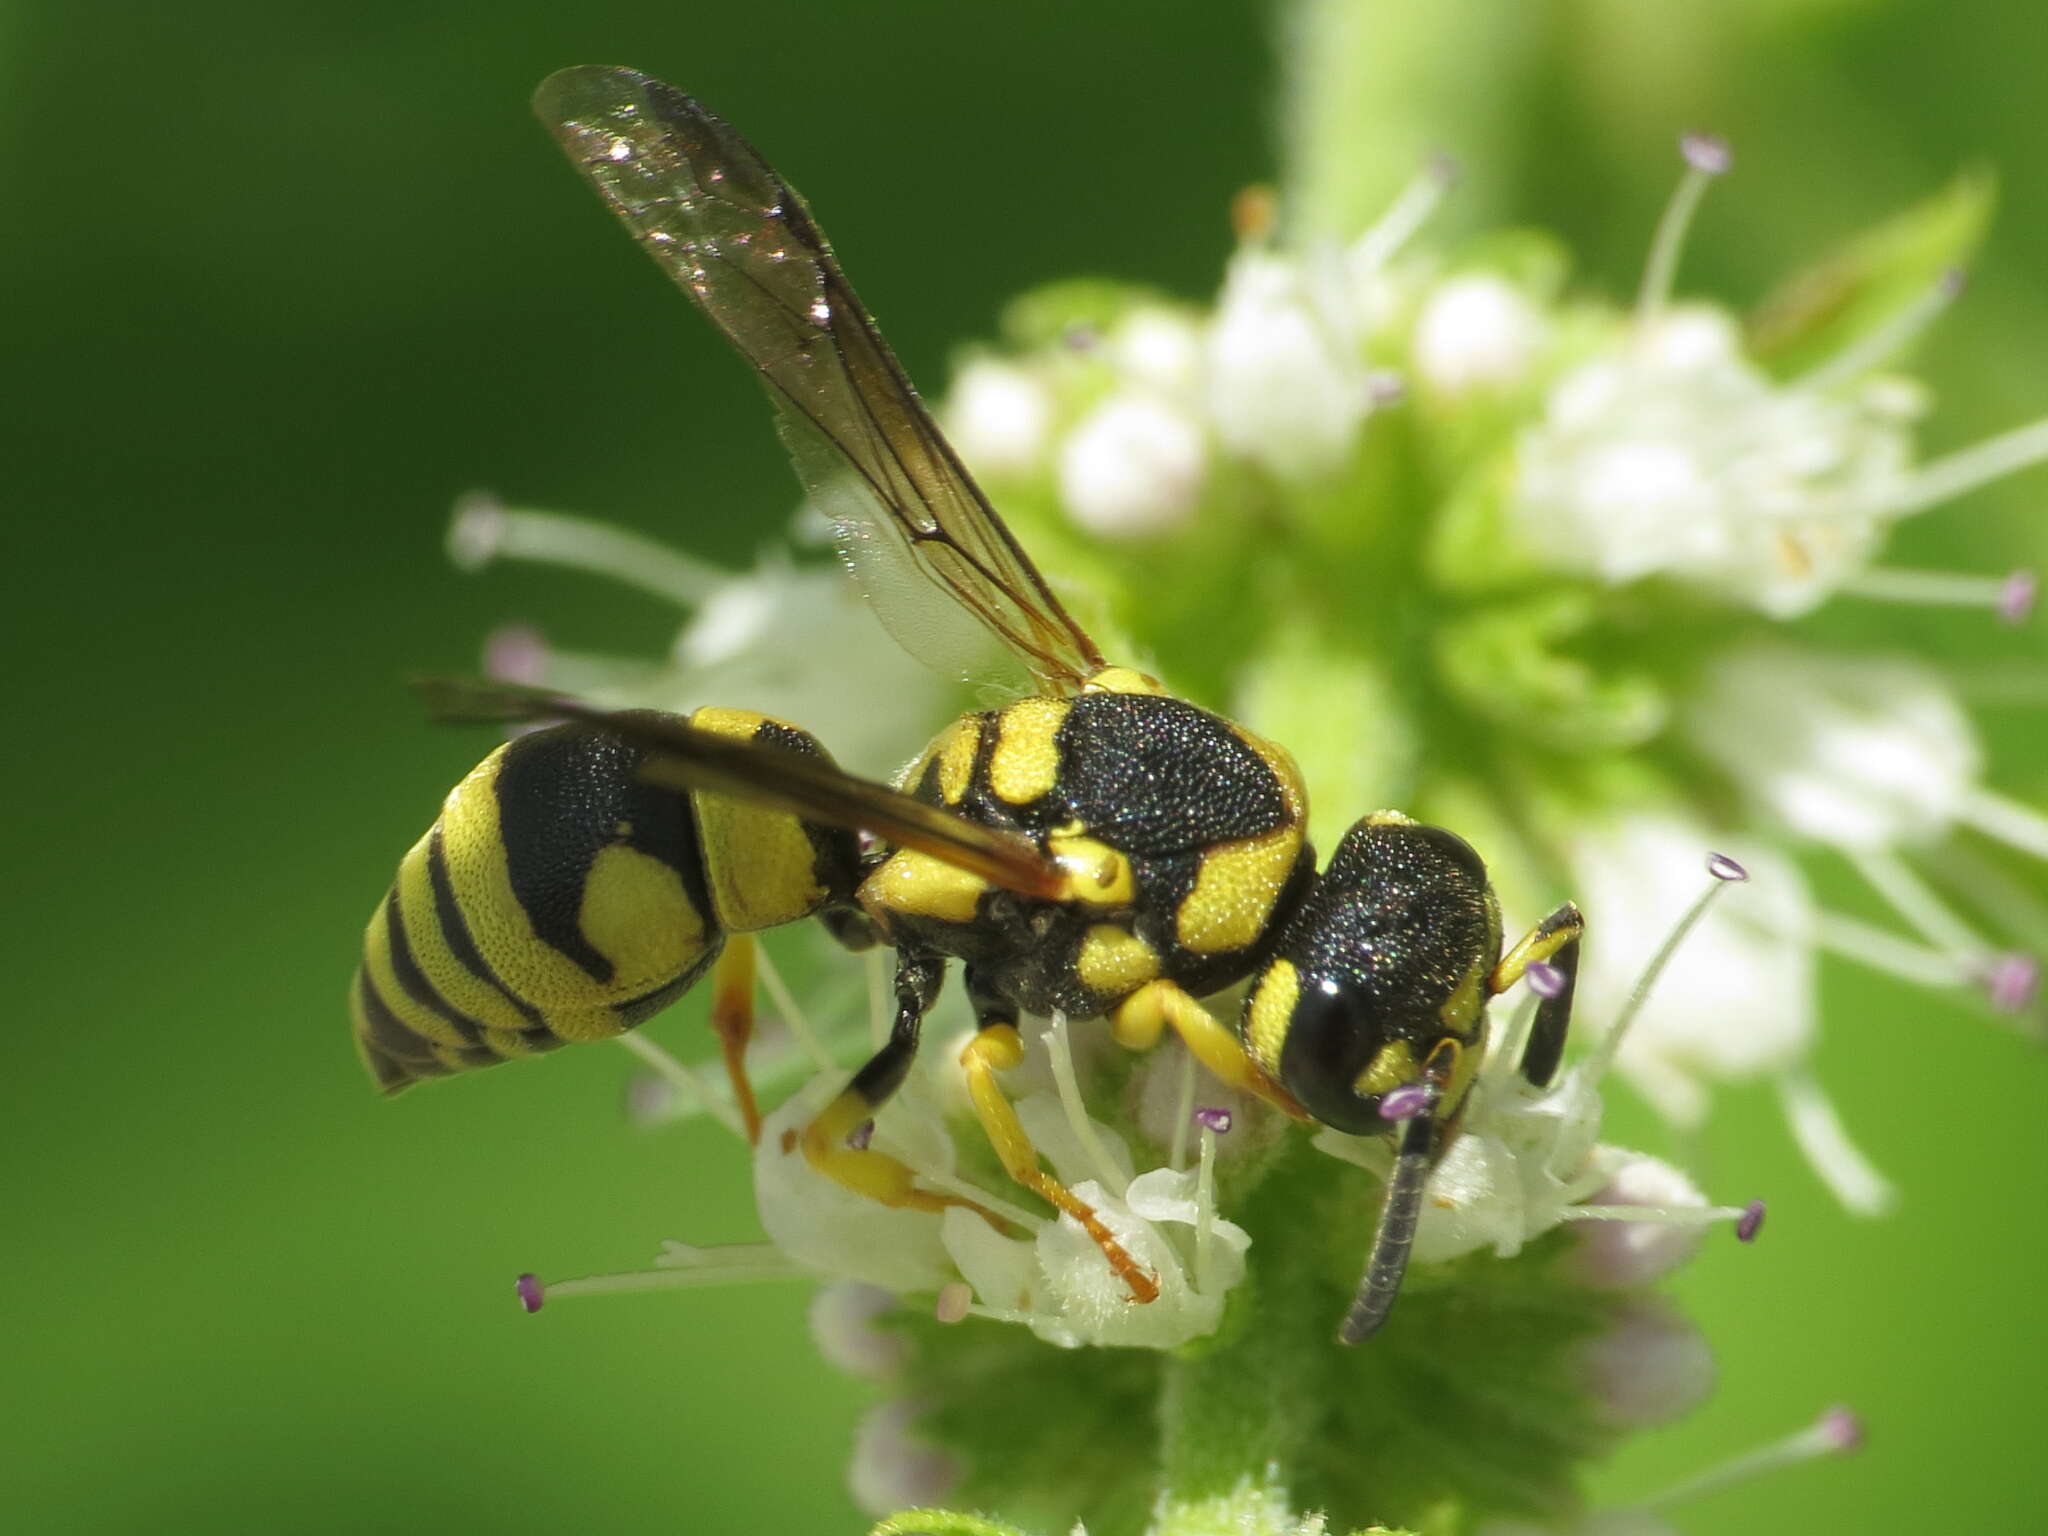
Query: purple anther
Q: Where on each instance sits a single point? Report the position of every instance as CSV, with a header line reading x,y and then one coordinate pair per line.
x,y
1952,282
1442,167
531,1293
859,1137
1546,981
866,842
2016,596
1721,867
516,653
2011,980
1405,1103
1384,389
1080,337
1211,1117
1750,1222
954,1298
1841,1429
1707,153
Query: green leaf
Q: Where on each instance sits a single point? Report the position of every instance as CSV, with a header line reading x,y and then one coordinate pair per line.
x,y
1507,666
1872,277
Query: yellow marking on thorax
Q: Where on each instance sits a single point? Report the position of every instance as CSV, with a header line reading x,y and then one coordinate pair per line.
x,y
1266,1020
1389,819
1097,874
1124,680
1237,884
1026,761
1114,961
914,884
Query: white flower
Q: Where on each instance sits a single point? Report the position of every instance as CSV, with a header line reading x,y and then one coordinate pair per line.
x,y
1133,468
1286,386
1160,351
1859,752
1000,417
1475,332
1672,454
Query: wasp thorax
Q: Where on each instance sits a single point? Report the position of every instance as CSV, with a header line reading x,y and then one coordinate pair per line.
x,y
1386,958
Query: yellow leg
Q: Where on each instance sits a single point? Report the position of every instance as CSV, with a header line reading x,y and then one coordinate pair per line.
x,y
875,1174
1539,945
732,1018
1140,1018
993,1048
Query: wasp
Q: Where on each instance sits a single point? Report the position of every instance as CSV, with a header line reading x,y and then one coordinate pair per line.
x,y
1098,847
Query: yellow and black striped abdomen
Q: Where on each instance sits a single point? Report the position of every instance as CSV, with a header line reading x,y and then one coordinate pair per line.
x,y
561,898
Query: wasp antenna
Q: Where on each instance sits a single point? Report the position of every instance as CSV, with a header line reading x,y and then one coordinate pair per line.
x,y
1395,1235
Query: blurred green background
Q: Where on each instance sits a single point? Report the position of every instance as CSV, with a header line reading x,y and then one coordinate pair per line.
x,y
284,279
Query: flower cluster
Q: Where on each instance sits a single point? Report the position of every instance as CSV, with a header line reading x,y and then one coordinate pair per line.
x,y
1529,565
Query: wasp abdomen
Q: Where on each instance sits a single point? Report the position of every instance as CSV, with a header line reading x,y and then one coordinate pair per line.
x,y
560,897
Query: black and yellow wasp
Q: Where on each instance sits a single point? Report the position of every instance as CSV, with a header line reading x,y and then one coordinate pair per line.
x,y
1097,848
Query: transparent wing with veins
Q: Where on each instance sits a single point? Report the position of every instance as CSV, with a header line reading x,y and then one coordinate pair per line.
x,y
738,239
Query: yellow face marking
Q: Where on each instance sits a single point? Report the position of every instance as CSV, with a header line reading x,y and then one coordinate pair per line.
x,y
1097,874
1460,1011
1114,961
1123,680
1026,762
1272,1005
1390,1068
913,884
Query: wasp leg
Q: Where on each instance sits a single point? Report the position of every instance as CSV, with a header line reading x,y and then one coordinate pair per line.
x,y
1401,1209
1554,941
1138,1020
835,1143
732,1019
996,1046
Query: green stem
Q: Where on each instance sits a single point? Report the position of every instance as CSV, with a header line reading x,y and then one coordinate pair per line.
x,y
1235,1417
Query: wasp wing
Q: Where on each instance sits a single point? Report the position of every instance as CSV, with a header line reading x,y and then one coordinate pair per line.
x,y
686,758
736,237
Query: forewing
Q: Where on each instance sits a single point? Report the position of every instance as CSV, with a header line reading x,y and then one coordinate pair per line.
x,y
684,757
739,240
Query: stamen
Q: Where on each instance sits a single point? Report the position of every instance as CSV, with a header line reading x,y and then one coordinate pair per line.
x,y
859,1137
1854,939
1213,1119
955,1298
1964,470
2016,825
1058,1049
1205,1198
790,1011
1992,891
678,1267
1725,872
1410,210
685,1080
1544,979
531,1293
1838,1162
1672,1215
1706,157
485,529
1875,347
1384,389
2011,597
1835,1433
1184,1113
948,1184
1915,901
